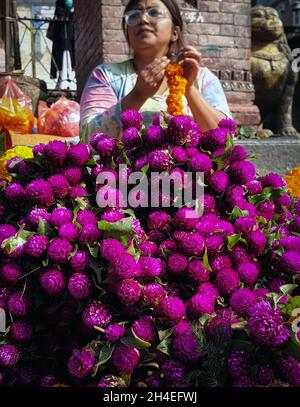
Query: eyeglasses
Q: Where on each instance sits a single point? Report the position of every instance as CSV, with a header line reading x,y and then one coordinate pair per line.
x,y
133,17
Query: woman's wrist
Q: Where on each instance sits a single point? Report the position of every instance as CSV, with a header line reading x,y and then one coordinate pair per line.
x,y
190,91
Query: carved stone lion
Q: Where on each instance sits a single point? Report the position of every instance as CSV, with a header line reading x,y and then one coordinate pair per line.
x,y
273,77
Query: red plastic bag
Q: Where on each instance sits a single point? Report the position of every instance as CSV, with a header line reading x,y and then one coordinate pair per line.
x,y
15,107
61,119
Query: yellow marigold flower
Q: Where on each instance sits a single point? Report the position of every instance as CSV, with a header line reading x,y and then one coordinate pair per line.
x,y
293,182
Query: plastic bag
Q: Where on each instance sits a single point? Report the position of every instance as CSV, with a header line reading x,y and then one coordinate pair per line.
x,y
15,107
61,119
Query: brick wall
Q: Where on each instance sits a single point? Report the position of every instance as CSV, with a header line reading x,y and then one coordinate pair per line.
x,y
219,29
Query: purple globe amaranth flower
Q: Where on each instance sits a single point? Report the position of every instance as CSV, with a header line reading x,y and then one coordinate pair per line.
x,y
213,140
228,124
106,148
140,163
219,326
285,200
48,381
160,160
170,310
191,243
234,194
18,304
80,286
28,375
78,154
40,193
125,359
53,281
150,267
81,363
196,273
159,220
144,328
201,163
290,262
10,272
111,381
245,225
131,118
129,292
290,243
15,194
174,373
124,266
219,262
68,231
207,224
35,215
177,263
219,182
167,246
242,300
9,355
21,331
200,304
238,153
181,328
184,131
89,234
77,191
111,248
95,138
36,246
295,225
238,364
209,290
73,174
254,187
96,314
80,261
214,244
152,294
149,249
55,153
59,250
186,348
225,228
275,284
155,136
60,216
265,375
241,172
273,180
38,149
266,209
186,219
179,155
297,207
131,137
112,216
227,281
266,325
239,255
290,368
248,273
209,204
114,332
257,242
60,185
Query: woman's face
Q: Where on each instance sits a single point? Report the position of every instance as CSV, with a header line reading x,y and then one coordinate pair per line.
x,y
151,32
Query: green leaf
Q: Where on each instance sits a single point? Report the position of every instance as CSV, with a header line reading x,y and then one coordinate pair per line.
x,y
45,262
164,346
268,193
93,251
292,348
135,342
104,356
90,163
20,238
237,213
164,333
121,230
145,169
291,304
233,240
205,262
288,288
44,227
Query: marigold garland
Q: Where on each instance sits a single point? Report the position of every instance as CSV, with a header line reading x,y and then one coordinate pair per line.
x,y
293,182
177,85
19,151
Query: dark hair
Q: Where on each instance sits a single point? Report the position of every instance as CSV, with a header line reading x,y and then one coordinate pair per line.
x,y
173,8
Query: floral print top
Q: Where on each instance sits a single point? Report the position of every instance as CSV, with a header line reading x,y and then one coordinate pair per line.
x,y
101,99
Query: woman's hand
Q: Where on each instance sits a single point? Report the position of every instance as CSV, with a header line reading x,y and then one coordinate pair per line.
x,y
190,60
150,78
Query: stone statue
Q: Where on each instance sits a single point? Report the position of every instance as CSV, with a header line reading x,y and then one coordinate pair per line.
x,y
273,77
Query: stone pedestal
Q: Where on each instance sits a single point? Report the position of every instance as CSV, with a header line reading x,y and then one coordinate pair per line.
x,y
219,29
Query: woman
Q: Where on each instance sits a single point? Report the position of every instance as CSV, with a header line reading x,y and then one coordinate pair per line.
x,y
63,49
153,29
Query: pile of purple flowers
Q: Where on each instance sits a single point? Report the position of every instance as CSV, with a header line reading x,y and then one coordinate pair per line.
x,y
115,297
